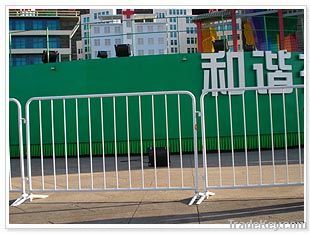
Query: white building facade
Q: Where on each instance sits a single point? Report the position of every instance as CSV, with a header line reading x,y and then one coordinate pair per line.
x,y
182,32
102,32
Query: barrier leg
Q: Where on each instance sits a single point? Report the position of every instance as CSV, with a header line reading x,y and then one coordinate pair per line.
x,y
25,197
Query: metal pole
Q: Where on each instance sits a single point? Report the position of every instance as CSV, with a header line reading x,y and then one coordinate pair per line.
x,y
223,31
266,35
47,45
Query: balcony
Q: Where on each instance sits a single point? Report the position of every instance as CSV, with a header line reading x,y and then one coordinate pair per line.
x,y
43,13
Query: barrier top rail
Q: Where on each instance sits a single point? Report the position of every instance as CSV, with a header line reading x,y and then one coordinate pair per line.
x,y
204,92
111,95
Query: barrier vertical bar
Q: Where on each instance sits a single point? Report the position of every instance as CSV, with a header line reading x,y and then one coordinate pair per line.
x,y
77,140
167,140
180,140
258,139
65,139
115,143
28,146
103,148
232,140
204,150
272,144
285,136
218,139
299,140
41,145
90,145
245,140
53,144
141,143
154,141
128,142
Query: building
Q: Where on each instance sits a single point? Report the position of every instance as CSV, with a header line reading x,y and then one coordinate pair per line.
x,y
251,29
29,34
101,31
182,34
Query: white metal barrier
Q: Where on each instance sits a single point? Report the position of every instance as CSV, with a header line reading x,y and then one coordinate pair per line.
x,y
22,187
80,173
251,168
220,170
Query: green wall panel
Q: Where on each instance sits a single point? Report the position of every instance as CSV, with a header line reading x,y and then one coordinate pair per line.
x,y
142,74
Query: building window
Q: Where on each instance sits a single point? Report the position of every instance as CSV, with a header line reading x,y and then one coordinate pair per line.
x,y
118,41
96,30
19,43
160,15
151,52
85,42
188,50
139,28
97,42
106,30
53,25
173,27
160,28
150,41
140,52
140,41
20,25
192,40
117,29
95,16
129,36
150,28
37,25
161,40
107,42
193,50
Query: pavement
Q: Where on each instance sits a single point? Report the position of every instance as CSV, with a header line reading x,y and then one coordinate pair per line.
x,y
274,204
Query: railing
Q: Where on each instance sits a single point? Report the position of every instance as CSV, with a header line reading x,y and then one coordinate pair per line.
x,y
43,13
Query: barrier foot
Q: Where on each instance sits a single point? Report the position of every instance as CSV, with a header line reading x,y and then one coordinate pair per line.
x,y
200,197
203,196
25,197
193,199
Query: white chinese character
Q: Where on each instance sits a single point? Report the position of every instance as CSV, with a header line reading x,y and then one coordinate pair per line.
x,y
213,66
277,77
230,71
216,69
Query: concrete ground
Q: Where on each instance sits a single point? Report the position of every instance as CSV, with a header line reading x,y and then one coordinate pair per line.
x,y
274,204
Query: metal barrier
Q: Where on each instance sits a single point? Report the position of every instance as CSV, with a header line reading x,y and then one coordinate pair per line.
x,y
84,171
258,168
22,187
262,163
